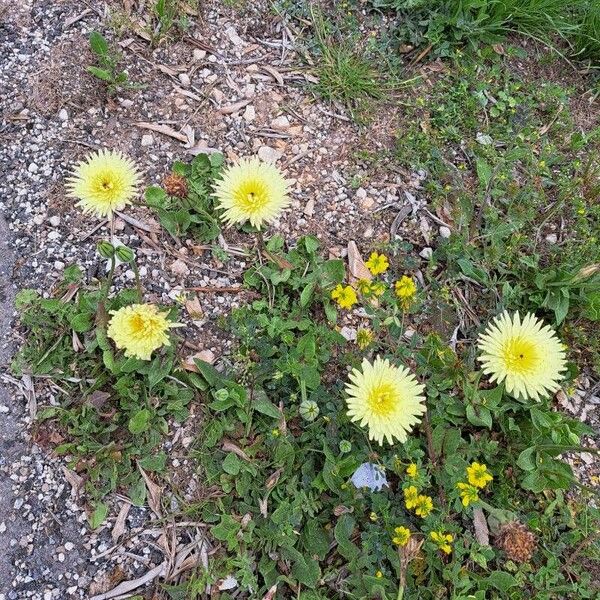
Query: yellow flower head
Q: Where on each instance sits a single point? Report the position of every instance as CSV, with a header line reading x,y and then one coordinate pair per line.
x,y
377,288
345,296
468,493
401,536
385,398
406,288
253,191
412,470
377,263
104,182
364,338
442,540
139,329
379,574
410,496
373,517
423,505
364,287
478,476
525,354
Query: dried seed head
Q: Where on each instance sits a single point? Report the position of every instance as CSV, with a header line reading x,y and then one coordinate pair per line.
x,y
176,185
517,541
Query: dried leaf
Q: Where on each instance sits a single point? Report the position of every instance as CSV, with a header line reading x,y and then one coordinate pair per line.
x,y
77,345
340,510
154,494
274,73
119,527
74,480
128,586
231,447
192,305
482,533
356,265
97,399
273,479
270,594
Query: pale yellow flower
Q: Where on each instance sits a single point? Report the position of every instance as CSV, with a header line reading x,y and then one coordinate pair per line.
x,y
253,191
385,398
524,354
139,329
104,182
410,496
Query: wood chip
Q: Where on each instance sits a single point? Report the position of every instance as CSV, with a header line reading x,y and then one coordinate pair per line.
x,y
78,17
164,129
233,108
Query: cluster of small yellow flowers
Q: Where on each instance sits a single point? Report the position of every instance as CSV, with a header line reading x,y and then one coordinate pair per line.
x,y
442,540
377,263
412,471
468,493
478,478
370,288
345,296
421,503
364,338
401,536
405,288
478,475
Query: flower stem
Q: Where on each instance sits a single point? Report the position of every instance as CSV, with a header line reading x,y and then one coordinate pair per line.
x,y
109,277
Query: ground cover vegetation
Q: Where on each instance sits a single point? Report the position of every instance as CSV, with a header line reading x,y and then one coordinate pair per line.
x,y
424,458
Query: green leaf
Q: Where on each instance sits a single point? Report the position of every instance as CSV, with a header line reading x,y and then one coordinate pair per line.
x,y
155,197
307,293
140,422
342,533
501,580
480,416
264,406
484,172
226,531
154,463
526,460
82,322
98,515
332,272
311,243
232,464
315,539
591,308
98,43
102,74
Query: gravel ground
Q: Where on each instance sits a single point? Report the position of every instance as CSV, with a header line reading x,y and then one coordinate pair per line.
x,y
238,86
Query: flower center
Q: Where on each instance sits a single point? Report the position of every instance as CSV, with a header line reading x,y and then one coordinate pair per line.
x,y
252,196
520,356
138,325
382,399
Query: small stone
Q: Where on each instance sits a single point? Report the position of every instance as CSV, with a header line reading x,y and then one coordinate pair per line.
x,y
236,40
426,253
54,235
59,265
54,221
249,113
552,238
269,154
32,168
184,79
2,527
309,209
147,139
349,333
3,410
368,232
63,115
361,193
126,103
280,123
179,268
199,54
69,546
445,231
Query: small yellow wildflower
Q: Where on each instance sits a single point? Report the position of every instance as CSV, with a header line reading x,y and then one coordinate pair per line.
x,y
373,516
377,263
379,574
410,497
412,470
443,540
364,287
364,338
406,288
402,536
377,288
468,493
478,476
423,505
139,329
345,296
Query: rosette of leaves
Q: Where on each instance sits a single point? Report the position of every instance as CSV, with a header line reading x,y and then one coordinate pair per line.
x,y
193,214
